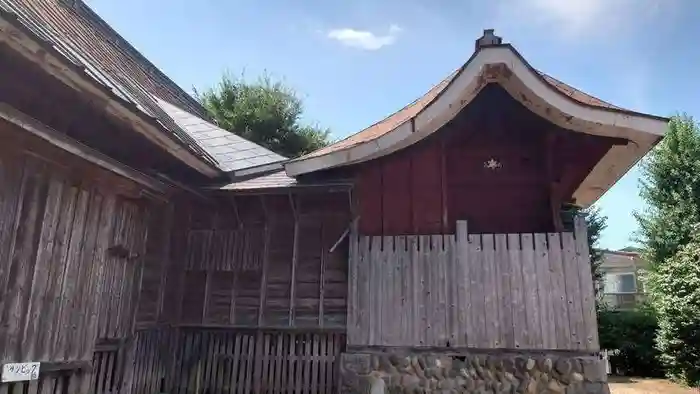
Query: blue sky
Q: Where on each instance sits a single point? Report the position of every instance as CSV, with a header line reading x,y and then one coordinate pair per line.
x,y
354,62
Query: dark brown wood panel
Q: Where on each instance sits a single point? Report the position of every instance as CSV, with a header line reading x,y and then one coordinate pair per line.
x,y
273,268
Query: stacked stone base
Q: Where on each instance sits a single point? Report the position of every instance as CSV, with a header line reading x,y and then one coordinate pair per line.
x,y
408,371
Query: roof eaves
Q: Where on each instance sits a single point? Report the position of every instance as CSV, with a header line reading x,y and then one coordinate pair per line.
x,y
121,44
132,107
455,76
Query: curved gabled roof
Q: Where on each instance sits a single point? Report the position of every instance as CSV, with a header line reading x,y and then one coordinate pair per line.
x,y
546,96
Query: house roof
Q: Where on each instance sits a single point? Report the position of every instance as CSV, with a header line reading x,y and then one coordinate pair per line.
x,y
230,151
495,62
85,42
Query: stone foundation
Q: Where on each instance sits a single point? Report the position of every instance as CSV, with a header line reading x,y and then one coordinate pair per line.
x,y
406,371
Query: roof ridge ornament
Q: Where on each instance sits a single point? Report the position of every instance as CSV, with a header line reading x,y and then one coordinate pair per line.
x,y
487,39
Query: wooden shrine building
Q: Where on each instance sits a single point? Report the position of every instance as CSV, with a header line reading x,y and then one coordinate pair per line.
x,y
145,250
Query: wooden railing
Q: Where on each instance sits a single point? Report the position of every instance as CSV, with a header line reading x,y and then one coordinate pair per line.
x,y
515,291
227,360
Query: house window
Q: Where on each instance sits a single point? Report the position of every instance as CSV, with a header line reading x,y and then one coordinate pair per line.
x,y
620,283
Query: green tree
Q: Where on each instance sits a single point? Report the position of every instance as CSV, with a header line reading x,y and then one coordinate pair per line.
x,y
674,289
670,187
596,223
671,243
265,112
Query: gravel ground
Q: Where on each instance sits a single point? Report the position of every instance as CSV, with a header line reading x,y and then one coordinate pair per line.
x,y
647,386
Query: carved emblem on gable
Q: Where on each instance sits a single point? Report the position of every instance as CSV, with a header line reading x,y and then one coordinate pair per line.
x,y
492,164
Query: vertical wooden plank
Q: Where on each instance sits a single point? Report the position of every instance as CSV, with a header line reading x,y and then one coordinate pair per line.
x,y
239,370
293,280
43,269
11,220
316,359
233,372
109,273
530,284
586,285
518,292
353,293
250,363
332,352
68,289
267,371
221,353
299,353
548,250
56,268
425,305
23,264
431,273
573,292
291,362
279,362
452,291
322,382
375,293
97,277
263,280
232,311
209,377
504,291
491,312
446,291
80,317
182,368
363,275
476,293
415,291
402,289
558,321
396,293
307,362
465,328
439,288
387,314
322,280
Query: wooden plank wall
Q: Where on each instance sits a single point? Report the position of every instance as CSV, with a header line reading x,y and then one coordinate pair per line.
x,y
268,264
195,360
60,288
513,291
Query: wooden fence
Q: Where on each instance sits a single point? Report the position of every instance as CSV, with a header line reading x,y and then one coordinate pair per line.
x,y
515,291
200,360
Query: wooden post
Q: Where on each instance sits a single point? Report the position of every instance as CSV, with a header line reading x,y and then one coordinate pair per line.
x,y
295,253
265,263
322,278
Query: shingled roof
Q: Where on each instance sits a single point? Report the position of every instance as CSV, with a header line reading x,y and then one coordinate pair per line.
x,y
406,113
496,62
85,40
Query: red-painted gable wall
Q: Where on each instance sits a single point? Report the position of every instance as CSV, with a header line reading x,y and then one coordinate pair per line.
x,y
425,188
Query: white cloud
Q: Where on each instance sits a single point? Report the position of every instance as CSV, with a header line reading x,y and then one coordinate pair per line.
x,y
365,39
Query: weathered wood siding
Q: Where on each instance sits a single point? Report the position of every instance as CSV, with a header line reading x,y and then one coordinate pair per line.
x,y
266,263
514,291
61,290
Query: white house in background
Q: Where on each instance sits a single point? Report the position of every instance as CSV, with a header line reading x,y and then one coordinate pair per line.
x,y
622,287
